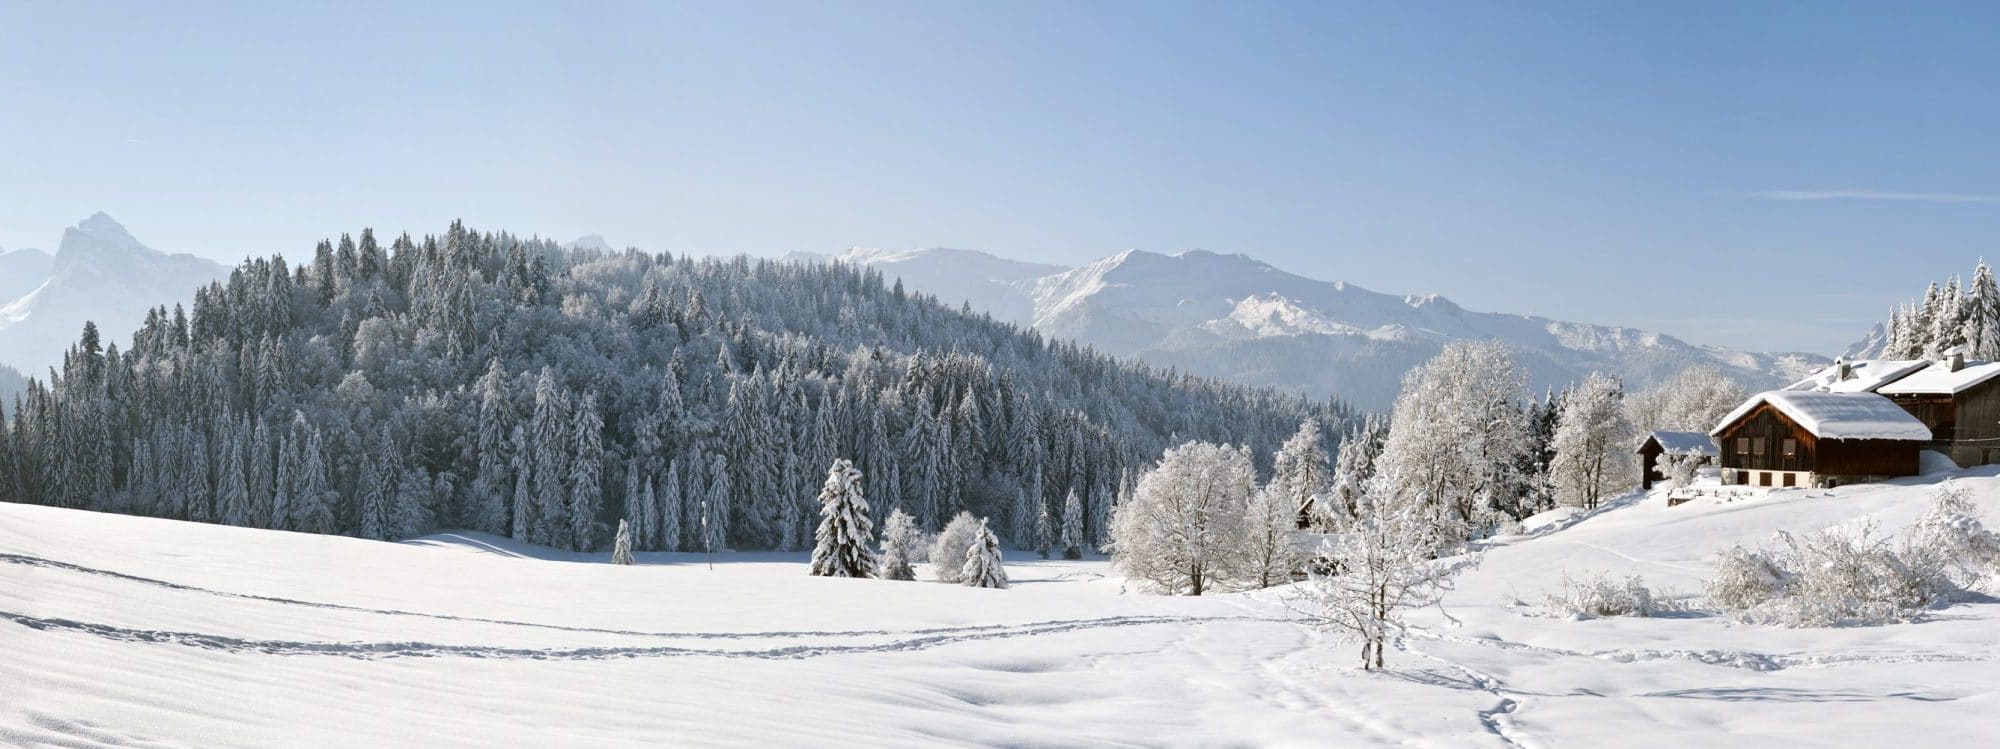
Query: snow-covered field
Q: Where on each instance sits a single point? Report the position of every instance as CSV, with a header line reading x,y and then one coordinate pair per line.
x,y
139,632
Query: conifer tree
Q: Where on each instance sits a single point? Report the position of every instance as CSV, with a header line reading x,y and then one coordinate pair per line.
x,y
621,547
983,567
844,541
668,491
899,539
1072,527
586,475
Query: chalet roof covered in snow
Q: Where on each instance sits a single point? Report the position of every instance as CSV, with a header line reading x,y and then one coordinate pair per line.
x,y
1864,376
1681,443
1837,416
1939,379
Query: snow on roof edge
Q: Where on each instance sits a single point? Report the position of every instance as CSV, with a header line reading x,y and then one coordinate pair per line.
x,y
1836,416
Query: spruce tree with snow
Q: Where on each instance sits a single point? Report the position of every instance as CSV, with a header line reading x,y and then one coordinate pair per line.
x,y
586,475
233,489
1183,531
1300,469
311,506
1982,315
1045,534
1592,443
983,567
672,508
1072,527
1352,472
621,547
843,545
899,540
948,550
522,514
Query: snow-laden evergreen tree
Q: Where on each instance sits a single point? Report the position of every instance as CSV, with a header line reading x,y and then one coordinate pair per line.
x,y
522,515
1022,520
1045,531
983,567
1184,529
233,488
638,509
284,485
715,508
1098,511
1982,316
1386,568
948,550
1947,331
1072,527
493,480
586,475
1352,472
621,547
1593,444
844,543
1457,439
1300,470
672,508
378,492
312,510
899,541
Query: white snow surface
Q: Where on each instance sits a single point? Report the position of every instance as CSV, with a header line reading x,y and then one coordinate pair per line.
x,y
1837,416
130,631
1684,443
1939,379
1864,376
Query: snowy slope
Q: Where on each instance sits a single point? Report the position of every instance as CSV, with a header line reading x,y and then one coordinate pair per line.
x,y
1233,316
23,270
99,273
123,630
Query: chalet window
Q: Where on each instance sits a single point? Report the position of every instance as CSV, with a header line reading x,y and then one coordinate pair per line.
x,y
1757,446
1791,448
1742,445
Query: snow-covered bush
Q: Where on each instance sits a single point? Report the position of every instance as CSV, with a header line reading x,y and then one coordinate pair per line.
x,y
1597,595
948,551
1853,575
983,568
899,538
1681,469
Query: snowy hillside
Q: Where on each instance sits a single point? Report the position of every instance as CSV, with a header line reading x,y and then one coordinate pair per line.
x,y
22,270
1233,316
132,631
99,273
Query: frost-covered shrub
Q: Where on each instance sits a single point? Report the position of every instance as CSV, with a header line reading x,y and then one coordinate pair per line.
x,y
1852,575
948,551
1681,469
1597,595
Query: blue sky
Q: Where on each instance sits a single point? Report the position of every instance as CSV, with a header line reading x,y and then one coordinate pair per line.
x,y
1771,176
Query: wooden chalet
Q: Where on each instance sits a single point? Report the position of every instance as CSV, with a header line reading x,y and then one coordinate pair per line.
x,y
1959,402
1677,444
1818,438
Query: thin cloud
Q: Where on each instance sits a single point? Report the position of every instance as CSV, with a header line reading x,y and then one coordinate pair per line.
x,y
1877,195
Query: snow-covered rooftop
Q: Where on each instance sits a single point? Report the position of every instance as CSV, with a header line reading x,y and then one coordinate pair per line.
x,y
1837,416
1863,376
1938,379
1683,443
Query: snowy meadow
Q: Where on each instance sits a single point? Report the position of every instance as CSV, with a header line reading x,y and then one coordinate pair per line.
x,y
137,631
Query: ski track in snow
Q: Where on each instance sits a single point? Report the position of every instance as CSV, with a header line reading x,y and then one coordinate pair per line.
x,y
1499,719
372,650
33,561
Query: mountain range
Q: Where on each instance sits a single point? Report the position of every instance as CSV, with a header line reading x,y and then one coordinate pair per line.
x,y
98,273
1233,316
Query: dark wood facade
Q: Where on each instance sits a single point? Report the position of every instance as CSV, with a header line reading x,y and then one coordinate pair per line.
x,y
1766,440
1965,425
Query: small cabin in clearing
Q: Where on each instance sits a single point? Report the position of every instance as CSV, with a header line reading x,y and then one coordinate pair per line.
x,y
1815,438
1677,444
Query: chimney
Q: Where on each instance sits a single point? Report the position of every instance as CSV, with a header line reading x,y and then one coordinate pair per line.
x,y
1844,370
1957,359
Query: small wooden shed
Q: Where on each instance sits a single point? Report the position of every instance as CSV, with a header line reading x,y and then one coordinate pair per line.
x,y
1677,444
1812,438
1960,402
